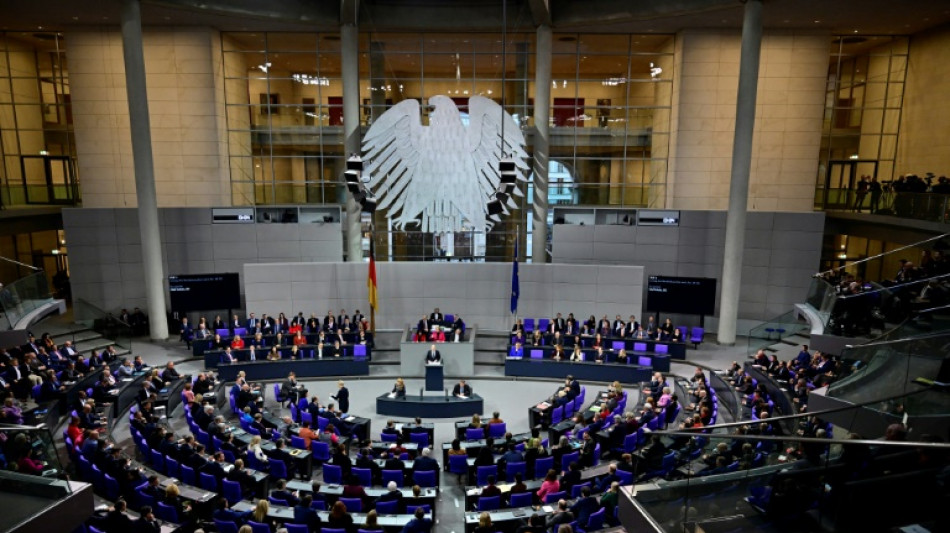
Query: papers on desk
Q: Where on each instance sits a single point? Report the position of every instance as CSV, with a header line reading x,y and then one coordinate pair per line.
x,y
543,405
547,508
295,452
126,380
391,395
349,419
462,396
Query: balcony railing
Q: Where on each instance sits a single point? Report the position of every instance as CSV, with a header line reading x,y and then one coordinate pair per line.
x,y
930,206
22,297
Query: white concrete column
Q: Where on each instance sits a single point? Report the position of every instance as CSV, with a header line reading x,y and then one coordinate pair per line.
x,y
741,164
132,51
349,45
542,112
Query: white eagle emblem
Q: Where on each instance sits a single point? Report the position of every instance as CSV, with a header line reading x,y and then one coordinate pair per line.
x,y
441,176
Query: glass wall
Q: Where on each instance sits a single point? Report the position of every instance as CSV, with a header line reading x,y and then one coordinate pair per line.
x,y
863,102
609,119
37,146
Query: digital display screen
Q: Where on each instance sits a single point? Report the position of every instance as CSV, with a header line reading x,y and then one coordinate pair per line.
x,y
201,292
688,296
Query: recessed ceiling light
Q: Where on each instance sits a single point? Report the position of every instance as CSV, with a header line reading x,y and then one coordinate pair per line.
x,y
855,31
817,22
75,18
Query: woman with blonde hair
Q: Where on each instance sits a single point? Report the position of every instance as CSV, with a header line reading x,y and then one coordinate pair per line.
x,y
484,523
259,514
399,389
255,447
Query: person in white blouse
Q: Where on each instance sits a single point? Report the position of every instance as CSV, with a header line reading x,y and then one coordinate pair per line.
x,y
255,448
577,354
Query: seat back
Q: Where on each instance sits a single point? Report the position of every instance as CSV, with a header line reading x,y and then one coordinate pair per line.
x,y
296,528
596,520
569,458
645,360
422,439
171,467
626,478
359,351
543,324
298,442
537,354
425,479
332,474
388,437
390,507
166,512
661,348
639,346
257,527
529,325
112,487
209,482
231,491
393,475
576,489
618,345
188,476
489,503
497,431
474,433
522,499
225,527
482,473
353,505
542,465
276,501
365,476
557,414
157,461
553,497
513,468
458,464
321,450
278,469
410,509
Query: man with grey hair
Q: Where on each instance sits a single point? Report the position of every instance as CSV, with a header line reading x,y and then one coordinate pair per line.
x,y
425,463
561,515
392,494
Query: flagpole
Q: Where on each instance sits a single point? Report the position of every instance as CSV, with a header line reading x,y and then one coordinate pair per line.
x,y
372,259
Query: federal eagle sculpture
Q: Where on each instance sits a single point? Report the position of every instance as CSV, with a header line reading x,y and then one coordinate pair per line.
x,y
441,176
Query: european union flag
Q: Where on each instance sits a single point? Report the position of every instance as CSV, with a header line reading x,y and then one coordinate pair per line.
x,y
515,286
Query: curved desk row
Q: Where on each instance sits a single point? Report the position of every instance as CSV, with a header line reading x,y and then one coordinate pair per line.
x,y
306,351
440,406
676,350
587,371
657,361
303,368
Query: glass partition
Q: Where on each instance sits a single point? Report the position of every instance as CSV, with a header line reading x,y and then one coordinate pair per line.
x,y
23,296
31,452
773,330
106,324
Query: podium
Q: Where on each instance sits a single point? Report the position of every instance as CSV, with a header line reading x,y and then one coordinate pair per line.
x,y
434,377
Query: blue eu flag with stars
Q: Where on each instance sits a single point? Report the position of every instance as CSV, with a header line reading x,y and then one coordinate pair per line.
x,y
515,287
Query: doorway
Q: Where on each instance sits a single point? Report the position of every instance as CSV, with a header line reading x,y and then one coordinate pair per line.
x,y
841,180
48,179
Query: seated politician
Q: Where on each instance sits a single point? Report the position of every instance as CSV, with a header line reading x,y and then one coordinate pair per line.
x,y
433,357
462,389
437,335
399,389
516,351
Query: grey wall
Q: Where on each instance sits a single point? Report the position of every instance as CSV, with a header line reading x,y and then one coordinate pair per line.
x,y
105,256
782,252
479,291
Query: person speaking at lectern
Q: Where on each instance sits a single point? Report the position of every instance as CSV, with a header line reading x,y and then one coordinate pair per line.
x,y
433,357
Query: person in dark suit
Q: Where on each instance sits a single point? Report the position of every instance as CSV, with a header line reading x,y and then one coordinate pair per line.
x,y
342,397
303,514
419,523
392,461
585,506
459,324
424,325
292,390
436,317
433,357
216,467
241,476
365,461
574,387
224,513
462,389
425,462
561,515
115,520
280,453
170,374
393,494
280,492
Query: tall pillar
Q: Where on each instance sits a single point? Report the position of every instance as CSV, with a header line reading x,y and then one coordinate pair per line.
x,y
542,113
349,43
133,54
741,163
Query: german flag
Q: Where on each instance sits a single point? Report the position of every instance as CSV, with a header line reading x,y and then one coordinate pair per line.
x,y
371,277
